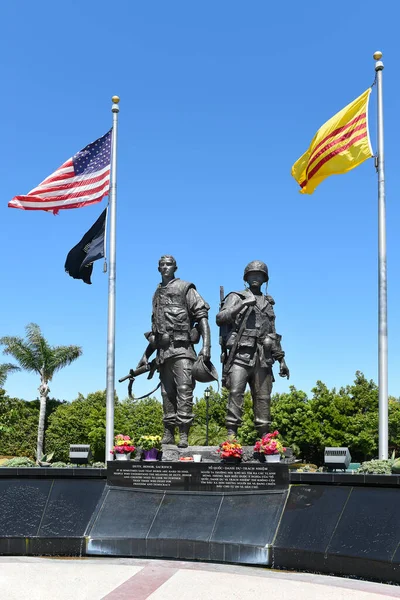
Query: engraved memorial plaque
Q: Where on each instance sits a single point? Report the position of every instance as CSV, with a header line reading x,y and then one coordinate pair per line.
x,y
199,477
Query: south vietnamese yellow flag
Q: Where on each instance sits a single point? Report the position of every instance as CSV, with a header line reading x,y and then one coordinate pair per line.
x,y
341,144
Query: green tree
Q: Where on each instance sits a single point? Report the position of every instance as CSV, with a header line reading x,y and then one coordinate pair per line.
x,y
292,416
139,417
330,411
18,427
34,354
247,433
362,434
83,421
217,403
348,417
344,417
394,425
18,424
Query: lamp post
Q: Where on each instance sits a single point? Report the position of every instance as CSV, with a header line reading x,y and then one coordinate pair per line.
x,y
207,397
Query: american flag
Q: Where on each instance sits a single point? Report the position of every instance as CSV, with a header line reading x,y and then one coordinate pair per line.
x,y
83,179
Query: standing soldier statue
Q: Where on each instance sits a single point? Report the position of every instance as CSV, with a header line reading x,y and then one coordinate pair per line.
x,y
179,318
250,346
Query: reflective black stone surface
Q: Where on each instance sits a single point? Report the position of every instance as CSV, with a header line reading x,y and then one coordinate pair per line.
x,y
123,515
59,508
46,517
70,507
347,525
310,517
187,525
52,473
369,526
39,546
340,478
22,503
185,517
348,530
248,519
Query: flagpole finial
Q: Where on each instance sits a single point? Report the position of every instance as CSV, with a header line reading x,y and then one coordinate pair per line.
x,y
115,101
379,63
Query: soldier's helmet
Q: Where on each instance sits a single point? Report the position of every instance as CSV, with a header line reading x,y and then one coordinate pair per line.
x,y
203,370
256,265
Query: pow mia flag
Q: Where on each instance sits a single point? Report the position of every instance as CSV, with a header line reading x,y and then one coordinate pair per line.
x,y
79,263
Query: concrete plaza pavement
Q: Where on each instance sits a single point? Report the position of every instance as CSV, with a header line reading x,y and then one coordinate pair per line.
x,y
37,578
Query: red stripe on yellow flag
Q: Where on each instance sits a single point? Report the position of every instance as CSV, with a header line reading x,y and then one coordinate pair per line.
x,y
341,144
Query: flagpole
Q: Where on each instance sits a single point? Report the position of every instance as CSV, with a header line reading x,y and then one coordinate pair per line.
x,y
382,277
111,287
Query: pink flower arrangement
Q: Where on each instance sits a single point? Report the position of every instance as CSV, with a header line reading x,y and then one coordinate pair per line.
x,y
123,445
230,448
270,444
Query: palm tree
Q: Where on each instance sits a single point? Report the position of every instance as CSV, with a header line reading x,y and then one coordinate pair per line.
x,y
5,369
34,354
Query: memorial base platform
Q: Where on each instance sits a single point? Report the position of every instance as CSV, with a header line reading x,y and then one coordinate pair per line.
x,y
256,514
201,511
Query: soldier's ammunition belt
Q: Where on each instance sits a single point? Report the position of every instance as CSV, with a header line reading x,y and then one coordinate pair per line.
x,y
162,340
248,338
180,333
175,338
250,333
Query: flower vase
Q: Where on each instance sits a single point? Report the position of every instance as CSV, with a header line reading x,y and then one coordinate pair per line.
x,y
123,456
273,458
232,460
150,454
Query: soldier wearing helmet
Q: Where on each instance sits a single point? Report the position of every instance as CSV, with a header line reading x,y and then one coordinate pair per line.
x,y
250,346
179,318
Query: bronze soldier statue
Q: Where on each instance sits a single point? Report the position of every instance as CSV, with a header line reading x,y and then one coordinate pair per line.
x,y
179,318
250,346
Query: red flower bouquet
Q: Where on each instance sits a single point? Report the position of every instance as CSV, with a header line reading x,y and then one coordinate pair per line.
x,y
270,444
230,449
123,445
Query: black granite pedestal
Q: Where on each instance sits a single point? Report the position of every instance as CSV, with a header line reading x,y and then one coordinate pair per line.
x,y
200,511
45,512
341,529
340,523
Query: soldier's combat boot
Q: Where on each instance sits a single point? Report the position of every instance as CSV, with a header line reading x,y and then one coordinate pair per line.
x,y
168,437
183,436
231,431
261,431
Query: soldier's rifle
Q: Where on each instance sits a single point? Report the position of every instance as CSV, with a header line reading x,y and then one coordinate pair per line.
x,y
227,358
149,368
221,338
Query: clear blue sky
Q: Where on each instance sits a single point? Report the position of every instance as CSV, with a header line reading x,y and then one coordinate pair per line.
x,y
218,99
